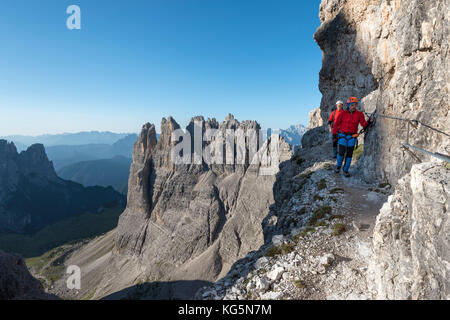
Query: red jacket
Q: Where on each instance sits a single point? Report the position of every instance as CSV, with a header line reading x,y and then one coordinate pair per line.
x,y
348,122
334,118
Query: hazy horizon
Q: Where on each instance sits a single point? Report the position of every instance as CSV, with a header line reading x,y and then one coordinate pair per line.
x,y
183,126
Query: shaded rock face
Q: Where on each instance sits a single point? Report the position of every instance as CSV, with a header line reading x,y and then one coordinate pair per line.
x,y
190,221
394,56
16,282
31,162
411,237
32,195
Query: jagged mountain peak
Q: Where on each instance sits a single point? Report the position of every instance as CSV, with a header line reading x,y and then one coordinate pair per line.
x,y
169,123
35,160
229,117
7,147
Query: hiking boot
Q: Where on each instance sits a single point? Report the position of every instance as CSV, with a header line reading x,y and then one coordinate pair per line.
x,y
346,174
337,170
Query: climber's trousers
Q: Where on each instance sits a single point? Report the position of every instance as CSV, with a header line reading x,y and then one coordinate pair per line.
x,y
346,147
335,145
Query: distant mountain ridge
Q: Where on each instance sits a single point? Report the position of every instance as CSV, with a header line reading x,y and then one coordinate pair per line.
x,y
64,155
79,138
105,172
293,135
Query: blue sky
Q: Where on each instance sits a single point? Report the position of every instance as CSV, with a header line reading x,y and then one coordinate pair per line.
x,y
137,61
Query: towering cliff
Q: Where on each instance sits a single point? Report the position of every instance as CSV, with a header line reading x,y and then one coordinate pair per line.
x,y
293,135
190,221
394,56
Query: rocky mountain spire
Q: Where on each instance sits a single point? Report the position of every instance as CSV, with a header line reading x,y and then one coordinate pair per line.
x,y
138,184
190,221
35,160
32,161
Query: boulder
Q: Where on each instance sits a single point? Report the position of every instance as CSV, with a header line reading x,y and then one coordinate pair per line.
x,y
275,274
16,282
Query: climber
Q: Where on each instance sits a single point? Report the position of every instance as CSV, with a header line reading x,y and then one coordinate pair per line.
x,y
335,112
346,128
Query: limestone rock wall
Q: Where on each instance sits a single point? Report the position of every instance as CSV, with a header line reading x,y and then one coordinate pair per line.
x,y
394,56
411,237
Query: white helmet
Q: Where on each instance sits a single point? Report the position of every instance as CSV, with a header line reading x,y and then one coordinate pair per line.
x,y
339,102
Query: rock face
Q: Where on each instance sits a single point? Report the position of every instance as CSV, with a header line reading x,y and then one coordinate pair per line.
x,y
315,119
411,237
394,56
190,221
16,283
32,195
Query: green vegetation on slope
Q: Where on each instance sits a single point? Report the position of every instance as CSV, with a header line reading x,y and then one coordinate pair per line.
x,y
319,213
38,263
71,229
52,201
49,267
358,152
